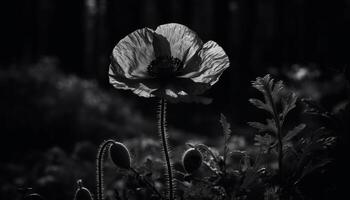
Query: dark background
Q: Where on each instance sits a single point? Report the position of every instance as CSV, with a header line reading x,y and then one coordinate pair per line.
x,y
257,35
55,54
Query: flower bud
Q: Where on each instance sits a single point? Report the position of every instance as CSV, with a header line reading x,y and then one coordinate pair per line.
x,y
82,193
120,155
191,160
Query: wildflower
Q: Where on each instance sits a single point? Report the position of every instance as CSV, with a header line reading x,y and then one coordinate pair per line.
x,y
170,62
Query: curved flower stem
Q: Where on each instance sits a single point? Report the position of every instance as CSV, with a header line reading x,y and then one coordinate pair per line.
x,y
165,144
99,170
149,185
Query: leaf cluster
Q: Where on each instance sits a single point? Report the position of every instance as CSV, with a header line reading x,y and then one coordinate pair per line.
x,y
278,102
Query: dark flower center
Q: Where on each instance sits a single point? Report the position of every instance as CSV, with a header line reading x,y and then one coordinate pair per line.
x,y
165,67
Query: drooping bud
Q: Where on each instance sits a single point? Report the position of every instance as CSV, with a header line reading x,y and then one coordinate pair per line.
x,y
192,160
82,192
120,155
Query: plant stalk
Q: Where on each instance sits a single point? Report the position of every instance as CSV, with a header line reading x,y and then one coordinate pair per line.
x,y
99,170
165,144
279,138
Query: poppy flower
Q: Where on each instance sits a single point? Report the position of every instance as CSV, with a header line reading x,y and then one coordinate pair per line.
x,y
170,62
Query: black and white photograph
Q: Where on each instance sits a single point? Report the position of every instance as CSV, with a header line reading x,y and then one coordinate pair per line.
x,y
174,99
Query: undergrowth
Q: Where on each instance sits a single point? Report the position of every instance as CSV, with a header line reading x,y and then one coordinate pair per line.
x,y
287,154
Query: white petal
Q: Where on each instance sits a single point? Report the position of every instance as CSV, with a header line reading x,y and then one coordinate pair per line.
x,y
170,93
134,53
183,42
135,85
143,91
213,61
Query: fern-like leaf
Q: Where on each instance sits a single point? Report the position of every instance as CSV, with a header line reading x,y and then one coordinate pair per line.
x,y
225,126
227,135
269,127
275,94
263,83
277,89
265,86
311,167
312,108
251,171
266,142
288,103
259,104
292,133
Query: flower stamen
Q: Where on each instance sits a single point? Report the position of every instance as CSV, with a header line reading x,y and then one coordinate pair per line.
x,y
165,67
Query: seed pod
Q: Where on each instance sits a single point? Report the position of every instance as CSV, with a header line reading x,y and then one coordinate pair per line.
x,y
191,160
82,193
120,155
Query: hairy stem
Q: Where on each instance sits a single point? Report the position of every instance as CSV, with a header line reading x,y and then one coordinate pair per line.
x,y
99,167
165,144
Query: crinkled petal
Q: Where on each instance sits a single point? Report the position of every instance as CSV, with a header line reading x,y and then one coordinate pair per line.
x,y
169,93
183,42
134,53
189,87
141,87
212,61
181,88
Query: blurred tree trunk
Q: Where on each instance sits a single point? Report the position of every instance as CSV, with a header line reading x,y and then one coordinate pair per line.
x,y
279,32
234,28
90,29
248,20
26,32
44,17
221,21
103,52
